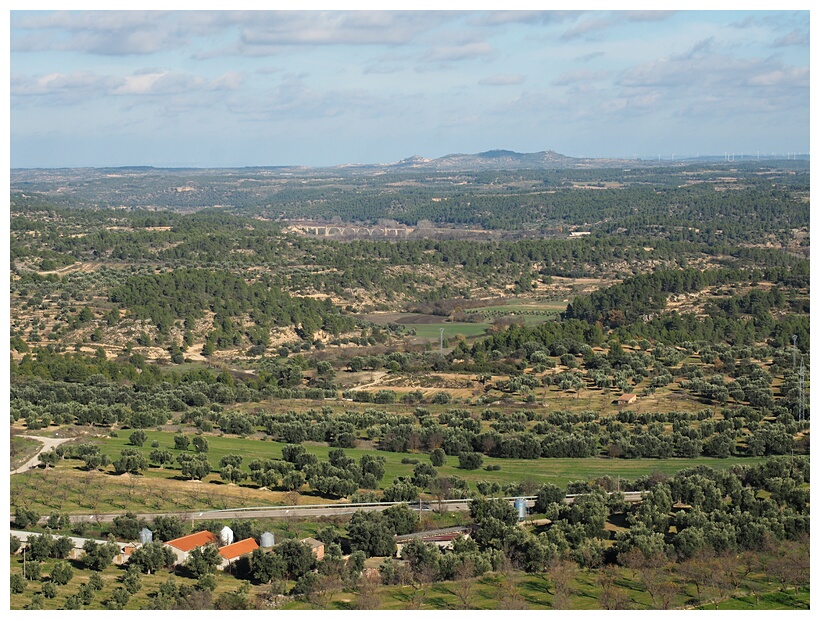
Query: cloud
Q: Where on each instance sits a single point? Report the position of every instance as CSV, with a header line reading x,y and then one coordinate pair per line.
x,y
382,69
600,21
458,52
83,86
791,77
496,18
339,27
589,25
503,79
646,16
579,75
698,72
591,56
250,33
62,88
170,83
98,32
795,37
292,98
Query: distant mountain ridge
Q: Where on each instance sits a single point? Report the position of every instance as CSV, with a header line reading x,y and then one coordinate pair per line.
x,y
501,159
497,159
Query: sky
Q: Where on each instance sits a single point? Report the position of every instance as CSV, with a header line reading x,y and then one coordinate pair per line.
x,y
210,88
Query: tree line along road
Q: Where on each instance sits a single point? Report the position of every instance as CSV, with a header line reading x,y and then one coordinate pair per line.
x,y
315,510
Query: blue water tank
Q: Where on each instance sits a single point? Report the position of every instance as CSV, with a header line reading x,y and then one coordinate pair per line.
x,y
521,508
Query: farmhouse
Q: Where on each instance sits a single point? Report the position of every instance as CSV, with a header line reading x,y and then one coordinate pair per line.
x,y
627,399
316,546
231,553
182,546
441,538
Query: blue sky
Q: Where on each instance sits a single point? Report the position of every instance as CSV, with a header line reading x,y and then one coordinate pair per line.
x,y
214,88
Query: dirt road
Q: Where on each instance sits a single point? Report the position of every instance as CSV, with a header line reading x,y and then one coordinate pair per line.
x,y
48,444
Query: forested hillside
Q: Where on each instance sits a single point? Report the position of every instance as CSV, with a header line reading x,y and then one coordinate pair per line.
x,y
529,333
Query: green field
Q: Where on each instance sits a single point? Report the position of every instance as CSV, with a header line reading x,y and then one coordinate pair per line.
x,y
70,489
468,330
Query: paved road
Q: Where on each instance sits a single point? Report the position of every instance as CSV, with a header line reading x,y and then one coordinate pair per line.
x,y
316,510
48,444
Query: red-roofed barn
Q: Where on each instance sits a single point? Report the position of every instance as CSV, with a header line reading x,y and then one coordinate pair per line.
x,y
231,553
181,546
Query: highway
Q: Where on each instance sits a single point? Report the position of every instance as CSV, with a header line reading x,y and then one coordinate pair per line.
x,y
312,510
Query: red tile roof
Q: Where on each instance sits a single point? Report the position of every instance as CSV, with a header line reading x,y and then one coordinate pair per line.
x,y
192,541
229,552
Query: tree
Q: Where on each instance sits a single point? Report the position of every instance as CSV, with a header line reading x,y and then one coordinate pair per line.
x,y
15,544
131,461
265,567
200,444
368,590
203,560
181,442
548,495
95,582
373,465
61,573
24,517
438,457
167,527
58,521
119,598
161,457
49,459
62,547
127,526
297,556
194,467
232,474
234,460
401,519
152,557
132,581
18,584
98,556
481,509
39,547
137,438
470,460
370,532
421,555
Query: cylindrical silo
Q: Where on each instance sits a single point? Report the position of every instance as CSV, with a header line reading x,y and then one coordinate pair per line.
x,y
226,536
266,540
521,508
146,536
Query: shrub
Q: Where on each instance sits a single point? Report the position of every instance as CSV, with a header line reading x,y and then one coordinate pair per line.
x,y
470,460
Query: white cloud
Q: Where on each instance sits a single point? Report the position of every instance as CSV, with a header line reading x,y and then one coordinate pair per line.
x,y
579,75
61,88
339,27
76,87
503,79
464,51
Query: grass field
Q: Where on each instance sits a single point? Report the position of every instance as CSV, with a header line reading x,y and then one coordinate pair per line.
x,y
22,449
70,489
468,330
